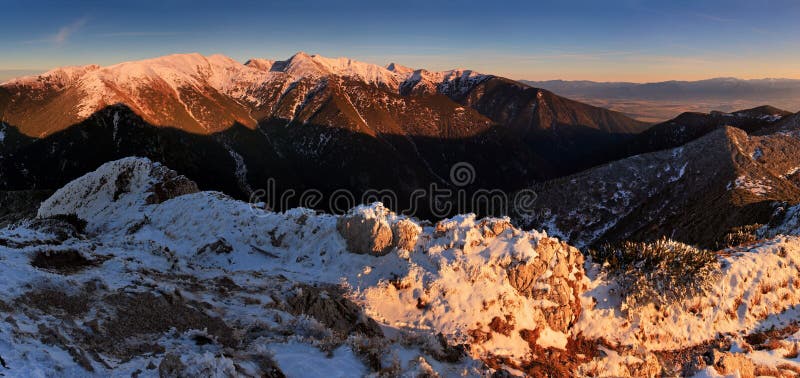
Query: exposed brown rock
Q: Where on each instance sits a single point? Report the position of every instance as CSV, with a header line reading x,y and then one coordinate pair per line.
x,y
366,236
493,227
405,234
530,279
731,363
523,276
502,326
219,247
169,184
330,308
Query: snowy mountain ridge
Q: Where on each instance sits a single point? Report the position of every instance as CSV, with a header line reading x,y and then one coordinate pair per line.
x,y
224,73
205,89
142,218
250,292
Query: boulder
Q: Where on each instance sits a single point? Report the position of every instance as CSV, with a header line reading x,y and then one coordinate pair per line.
x,y
168,185
405,234
365,235
549,277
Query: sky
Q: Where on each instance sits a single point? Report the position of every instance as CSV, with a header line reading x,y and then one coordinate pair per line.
x,y
609,40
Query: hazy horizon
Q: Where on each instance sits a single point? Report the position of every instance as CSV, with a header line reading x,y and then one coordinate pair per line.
x,y
8,74
631,41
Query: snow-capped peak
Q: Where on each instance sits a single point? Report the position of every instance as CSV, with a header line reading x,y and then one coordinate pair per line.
x,y
223,73
305,65
400,69
61,76
261,64
133,83
175,87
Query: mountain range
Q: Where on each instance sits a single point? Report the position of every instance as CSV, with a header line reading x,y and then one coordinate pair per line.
x,y
326,124
306,122
651,250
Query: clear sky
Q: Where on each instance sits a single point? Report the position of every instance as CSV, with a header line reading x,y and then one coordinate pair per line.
x,y
602,40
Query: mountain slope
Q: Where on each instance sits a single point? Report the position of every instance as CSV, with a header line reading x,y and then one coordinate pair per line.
x,y
195,93
306,122
690,126
697,194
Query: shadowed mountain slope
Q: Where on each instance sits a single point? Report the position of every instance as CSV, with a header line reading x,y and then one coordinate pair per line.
x,y
697,193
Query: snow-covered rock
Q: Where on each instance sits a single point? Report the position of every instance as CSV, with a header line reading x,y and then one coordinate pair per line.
x,y
249,291
377,231
111,195
265,282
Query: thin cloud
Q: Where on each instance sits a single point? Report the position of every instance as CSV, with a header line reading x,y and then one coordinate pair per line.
x,y
140,34
599,55
67,31
63,34
713,17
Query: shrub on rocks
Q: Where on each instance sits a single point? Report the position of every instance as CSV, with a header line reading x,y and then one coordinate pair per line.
x,y
659,272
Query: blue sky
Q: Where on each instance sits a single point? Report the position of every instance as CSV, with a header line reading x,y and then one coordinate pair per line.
x,y
595,40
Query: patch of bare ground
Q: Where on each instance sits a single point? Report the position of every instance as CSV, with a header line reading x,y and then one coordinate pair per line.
x,y
57,303
548,362
686,361
64,262
126,325
770,339
138,317
329,306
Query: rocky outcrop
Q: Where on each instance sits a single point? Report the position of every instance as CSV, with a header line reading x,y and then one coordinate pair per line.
x,y
366,236
129,182
727,363
329,307
405,234
553,277
377,232
168,185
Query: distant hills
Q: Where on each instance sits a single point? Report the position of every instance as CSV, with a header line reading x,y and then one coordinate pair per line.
x,y
664,100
